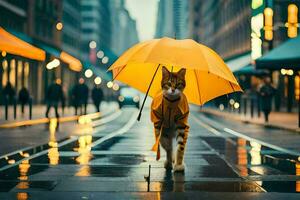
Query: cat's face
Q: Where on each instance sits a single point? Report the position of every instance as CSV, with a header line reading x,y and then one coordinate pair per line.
x,y
172,83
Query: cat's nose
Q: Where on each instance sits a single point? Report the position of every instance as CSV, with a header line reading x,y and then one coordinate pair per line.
x,y
173,90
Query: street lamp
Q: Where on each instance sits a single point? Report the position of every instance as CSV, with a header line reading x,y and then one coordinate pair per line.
x,y
105,60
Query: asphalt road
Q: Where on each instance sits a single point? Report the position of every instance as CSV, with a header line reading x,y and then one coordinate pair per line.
x,y
110,158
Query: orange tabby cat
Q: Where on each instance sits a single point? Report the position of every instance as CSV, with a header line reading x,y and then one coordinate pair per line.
x,y
169,113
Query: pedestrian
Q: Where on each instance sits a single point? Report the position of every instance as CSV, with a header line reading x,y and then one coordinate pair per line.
x,y
266,92
54,95
9,93
23,98
80,95
97,96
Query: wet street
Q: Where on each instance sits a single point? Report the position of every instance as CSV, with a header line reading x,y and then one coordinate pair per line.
x,y
111,159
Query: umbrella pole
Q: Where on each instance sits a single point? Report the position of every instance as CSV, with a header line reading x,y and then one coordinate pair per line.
x,y
141,109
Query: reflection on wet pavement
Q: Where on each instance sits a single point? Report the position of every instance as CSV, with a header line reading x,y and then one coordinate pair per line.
x,y
213,164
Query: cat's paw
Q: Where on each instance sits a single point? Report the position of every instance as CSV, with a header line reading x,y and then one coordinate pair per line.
x,y
179,168
168,165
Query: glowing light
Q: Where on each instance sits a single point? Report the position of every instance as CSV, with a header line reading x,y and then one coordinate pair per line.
x,y
136,99
59,26
257,3
110,84
88,73
11,161
115,87
236,105
105,60
231,101
268,15
93,44
98,80
221,107
290,72
53,64
257,23
3,53
100,54
283,71
121,98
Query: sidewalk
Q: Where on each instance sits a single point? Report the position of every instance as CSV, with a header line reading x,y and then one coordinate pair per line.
x,y
38,115
280,120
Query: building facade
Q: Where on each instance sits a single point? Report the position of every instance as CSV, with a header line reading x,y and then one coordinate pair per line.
x,y
173,19
223,25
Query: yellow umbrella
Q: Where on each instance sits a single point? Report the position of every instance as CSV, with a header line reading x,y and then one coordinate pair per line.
x,y
207,75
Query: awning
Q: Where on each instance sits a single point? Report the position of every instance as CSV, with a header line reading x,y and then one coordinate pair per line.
x,y
286,55
13,45
250,70
50,50
74,63
239,62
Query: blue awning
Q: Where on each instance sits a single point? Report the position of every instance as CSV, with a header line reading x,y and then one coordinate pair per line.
x,y
286,55
250,70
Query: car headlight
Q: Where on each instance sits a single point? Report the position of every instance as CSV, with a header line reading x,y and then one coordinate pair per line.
x,y
136,99
121,98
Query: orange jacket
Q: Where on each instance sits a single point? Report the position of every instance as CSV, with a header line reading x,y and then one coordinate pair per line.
x,y
165,113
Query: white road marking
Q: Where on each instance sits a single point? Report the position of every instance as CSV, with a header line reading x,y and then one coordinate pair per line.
x,y
120,131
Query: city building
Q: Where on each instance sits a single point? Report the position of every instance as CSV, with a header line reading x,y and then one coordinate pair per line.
x,y
173,19
124,31
38,23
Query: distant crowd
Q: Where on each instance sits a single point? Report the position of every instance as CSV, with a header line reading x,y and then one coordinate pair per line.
x,y
55,95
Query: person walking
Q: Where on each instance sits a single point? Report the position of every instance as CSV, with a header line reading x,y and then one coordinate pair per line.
x,y
23,98
80,96
266,92
54,95
9,93
97,96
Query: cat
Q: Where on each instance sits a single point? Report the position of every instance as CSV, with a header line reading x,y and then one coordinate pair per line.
x,y
169,113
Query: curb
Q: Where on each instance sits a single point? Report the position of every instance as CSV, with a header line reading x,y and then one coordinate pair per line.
x,y
246,121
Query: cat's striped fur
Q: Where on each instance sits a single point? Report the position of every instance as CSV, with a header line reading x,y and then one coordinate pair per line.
x,y
169,113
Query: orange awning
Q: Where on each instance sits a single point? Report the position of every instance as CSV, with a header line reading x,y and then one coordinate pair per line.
x,y
13,45
74,63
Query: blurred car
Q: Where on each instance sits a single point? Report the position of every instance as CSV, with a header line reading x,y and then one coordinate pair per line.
x,y
129,96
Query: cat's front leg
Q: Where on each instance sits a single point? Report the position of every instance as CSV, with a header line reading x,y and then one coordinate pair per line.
x,y
181,141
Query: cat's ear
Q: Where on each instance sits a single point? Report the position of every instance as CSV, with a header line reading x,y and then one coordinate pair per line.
x,y
165,72
181,73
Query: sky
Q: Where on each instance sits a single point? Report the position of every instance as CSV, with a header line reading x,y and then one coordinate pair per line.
x,y
144,12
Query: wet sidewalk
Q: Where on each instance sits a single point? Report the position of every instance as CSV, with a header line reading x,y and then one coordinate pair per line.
x,y
280,120
38,115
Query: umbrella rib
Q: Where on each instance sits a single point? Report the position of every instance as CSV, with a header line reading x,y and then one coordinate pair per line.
x,y
198,87
118,73
231,86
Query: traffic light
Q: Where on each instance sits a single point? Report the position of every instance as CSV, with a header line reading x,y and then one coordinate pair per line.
x,y
292,23
268,27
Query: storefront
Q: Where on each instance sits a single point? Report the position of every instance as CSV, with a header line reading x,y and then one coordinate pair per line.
x,y
19,63
284,63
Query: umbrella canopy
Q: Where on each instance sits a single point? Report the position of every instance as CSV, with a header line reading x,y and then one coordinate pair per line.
x,y
207,75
